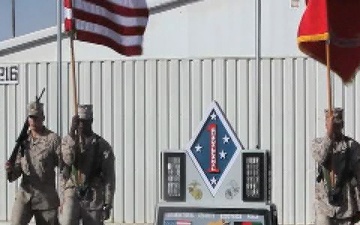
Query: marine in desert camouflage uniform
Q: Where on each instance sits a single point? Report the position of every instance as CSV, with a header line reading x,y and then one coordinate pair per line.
x,y
37,195
338,176
88,191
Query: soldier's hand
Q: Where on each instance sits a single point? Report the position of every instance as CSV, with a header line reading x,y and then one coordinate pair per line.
x,y
74,126
106,211
8,167
356,217
330,126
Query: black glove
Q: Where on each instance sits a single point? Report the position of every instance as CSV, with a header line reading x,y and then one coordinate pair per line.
x,y
106,211
335,196
320,175
356,217
74,126
8,167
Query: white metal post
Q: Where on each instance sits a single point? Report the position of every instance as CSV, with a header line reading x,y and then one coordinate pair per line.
x,y
257,78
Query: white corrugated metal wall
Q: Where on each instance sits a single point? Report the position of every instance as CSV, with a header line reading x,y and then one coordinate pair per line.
x,y
142,107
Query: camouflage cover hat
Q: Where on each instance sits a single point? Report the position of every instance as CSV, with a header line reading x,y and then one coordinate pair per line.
x,y
35,109
337,113
85,112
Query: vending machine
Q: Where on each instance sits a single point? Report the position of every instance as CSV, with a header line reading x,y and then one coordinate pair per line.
x,y
215,181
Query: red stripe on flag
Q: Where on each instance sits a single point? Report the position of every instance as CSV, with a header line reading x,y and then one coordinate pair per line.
x,y
68,25
68,3
103,40
121,10
123,30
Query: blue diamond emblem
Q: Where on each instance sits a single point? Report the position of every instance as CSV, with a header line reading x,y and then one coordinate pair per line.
x,y
214,148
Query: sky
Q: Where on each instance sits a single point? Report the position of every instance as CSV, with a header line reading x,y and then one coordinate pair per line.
x,y
31,15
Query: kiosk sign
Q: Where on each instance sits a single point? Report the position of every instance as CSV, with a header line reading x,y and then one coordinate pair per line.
x,y
215,181
202,216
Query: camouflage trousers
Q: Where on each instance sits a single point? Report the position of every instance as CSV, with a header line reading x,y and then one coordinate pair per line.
x,y
322,219
22,214
72,212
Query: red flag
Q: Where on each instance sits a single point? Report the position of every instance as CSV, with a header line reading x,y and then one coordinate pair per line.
x,y
339,22
118,24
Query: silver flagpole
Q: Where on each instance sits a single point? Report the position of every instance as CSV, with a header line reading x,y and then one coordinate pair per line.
x,y
257,88
13,18
59,66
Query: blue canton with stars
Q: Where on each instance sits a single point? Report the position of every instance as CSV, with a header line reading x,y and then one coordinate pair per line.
x,y
214,129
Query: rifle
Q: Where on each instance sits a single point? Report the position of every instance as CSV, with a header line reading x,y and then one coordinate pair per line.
x,y
21,138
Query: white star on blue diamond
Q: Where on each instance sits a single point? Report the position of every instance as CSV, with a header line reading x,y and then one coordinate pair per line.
x,y
198,148
226,139
213,116
222,154
213,181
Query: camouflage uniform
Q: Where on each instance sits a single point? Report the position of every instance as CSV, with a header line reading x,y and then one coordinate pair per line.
x,y
94,161
344,161
37,195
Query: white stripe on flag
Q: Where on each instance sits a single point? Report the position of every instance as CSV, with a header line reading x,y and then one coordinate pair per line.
x,y
68,13
101,30
118,19
134,4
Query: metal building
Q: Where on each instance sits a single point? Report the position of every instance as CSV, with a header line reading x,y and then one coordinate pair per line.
x,y
146,104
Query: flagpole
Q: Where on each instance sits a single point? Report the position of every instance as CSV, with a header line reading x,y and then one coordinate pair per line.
x,y
329,94
328,78
13,18
68,4
59,66
59,73
75,99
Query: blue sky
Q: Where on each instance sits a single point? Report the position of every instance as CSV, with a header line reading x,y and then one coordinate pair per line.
x,y
31,15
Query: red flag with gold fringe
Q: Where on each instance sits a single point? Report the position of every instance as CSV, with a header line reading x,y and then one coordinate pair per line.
x,y
339,22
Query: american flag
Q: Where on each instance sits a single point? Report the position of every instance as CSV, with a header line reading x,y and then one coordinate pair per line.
x,y
177,222
118,24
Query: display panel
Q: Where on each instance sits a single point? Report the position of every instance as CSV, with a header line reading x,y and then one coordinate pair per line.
x,y
253,177
174,176
207,216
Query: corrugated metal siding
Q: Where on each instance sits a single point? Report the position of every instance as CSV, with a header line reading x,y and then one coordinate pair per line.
x,y
142,107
